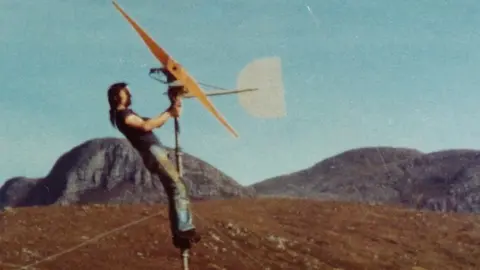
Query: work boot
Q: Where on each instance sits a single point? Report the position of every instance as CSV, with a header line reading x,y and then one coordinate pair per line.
x,y
190,235
184,239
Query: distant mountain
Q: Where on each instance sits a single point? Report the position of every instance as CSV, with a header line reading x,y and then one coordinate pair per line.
x,y
441,181
110,170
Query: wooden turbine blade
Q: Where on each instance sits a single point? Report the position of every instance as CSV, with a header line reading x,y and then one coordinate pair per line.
x,y
176,70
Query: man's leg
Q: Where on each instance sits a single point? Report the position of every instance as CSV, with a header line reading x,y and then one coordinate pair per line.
x,y
179,204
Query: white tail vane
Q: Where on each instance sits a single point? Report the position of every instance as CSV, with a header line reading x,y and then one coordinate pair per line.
x,y
264,74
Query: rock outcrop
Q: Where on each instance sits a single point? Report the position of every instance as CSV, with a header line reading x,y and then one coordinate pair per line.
x,y
110,170
439,181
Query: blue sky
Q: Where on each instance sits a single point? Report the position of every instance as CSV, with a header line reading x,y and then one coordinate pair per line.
x,y
356,73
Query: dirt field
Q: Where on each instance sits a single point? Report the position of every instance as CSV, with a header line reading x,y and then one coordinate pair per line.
x,y
240,234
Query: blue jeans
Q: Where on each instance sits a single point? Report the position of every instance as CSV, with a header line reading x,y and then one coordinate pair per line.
x,y
156,160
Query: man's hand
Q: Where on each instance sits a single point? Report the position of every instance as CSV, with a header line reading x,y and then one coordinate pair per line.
x,y
176,108
175,111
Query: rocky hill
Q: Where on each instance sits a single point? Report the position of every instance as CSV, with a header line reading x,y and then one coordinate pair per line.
x,y
441,181
109,170
240,234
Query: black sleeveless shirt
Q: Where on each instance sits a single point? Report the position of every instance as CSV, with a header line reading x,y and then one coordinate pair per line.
x,y
140,139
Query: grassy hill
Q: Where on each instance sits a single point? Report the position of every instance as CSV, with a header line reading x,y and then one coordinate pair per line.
x,y
240,234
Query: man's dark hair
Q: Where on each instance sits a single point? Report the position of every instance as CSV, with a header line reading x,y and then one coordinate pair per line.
x,y
113,91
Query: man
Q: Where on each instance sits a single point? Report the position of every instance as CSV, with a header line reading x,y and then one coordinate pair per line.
x,y
138,130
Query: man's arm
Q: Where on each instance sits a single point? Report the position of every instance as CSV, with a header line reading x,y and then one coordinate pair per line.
x,y
150,124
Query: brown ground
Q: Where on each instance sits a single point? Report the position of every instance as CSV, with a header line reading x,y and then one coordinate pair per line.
x,y
241,234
